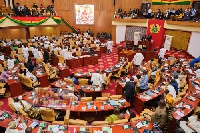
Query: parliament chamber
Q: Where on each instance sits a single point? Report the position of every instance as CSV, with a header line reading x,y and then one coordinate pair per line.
x,y
99,66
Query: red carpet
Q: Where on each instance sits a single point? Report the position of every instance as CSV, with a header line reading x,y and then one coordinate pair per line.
x,y
105,62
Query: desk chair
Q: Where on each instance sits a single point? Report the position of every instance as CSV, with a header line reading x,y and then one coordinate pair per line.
x,y
115,97
78,53
77,122
68,80
20,111
19,50
27,81
101,98
1,68
39,60
98,49
2,91
99,123
83,81
51,72
66,119
125,69
13,53
86,99
92,45
61,59
108,80
48,114
21,58
120,121
118,74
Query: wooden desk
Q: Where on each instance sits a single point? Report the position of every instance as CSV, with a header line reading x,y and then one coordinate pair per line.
x,y
64,72
139,102
103,49
7,50
43,79
55,60
74,63
15,87
87,89
128,56
92,60
58,104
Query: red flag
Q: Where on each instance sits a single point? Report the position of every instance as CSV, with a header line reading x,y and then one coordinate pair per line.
x,y
156,29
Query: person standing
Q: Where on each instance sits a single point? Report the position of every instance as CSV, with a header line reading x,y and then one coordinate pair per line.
x,y
109,46
162,52
144,82
137,60
130,91
97,79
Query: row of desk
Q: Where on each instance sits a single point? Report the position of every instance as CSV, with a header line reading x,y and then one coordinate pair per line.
x,y
74,128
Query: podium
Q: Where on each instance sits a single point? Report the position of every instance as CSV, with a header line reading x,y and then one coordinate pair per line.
x,y
168,41
136,37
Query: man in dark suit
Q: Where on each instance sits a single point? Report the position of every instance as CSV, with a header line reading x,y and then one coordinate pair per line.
x,y
130,91
29,65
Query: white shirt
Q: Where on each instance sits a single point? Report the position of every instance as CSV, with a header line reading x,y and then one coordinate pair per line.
x,y
194,123
21,125
172,91
25,52
2,57
138,58
18,42
97,79
149,11
162,52
110,45
10,63
17,105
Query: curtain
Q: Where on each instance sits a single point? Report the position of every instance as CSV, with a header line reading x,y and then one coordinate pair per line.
x,y
130,32
120,33
180,39
194,45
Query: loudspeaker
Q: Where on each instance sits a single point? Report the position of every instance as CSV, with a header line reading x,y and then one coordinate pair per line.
x,y
114,2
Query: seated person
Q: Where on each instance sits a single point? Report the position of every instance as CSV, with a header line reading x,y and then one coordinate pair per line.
x,y
12,127
97,79
29,65
21,104
75,81
116,116
175,85
169,99
159,116
4,75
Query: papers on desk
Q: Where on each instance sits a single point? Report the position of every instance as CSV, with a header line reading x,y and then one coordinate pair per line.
x,y
64,105
84,108
39,73
190,71
141,124
145,97
180,113
34,124
51,105
113,103
187,106
10,78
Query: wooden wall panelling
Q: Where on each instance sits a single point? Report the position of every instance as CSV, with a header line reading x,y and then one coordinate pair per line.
x,y
2,2
47,31
14,33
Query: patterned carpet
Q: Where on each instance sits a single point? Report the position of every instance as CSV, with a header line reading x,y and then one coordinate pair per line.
x,y
105,62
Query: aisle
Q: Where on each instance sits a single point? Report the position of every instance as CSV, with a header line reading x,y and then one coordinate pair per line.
x,y
105,62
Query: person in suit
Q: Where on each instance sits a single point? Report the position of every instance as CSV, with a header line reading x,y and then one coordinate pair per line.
x,y
130,91
46,56
149,37
29,65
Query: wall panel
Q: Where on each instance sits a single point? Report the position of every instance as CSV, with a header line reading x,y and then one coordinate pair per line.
x,y
8,33
47,31
29,3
